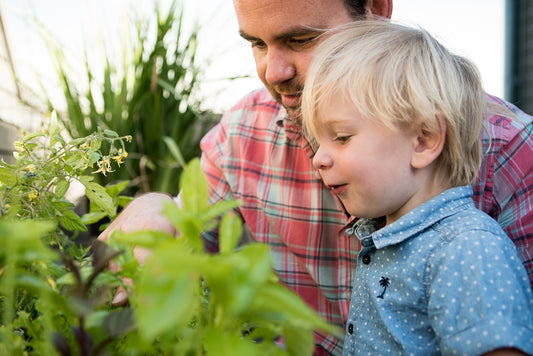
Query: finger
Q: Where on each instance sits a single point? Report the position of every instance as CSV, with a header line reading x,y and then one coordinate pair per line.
x,y
121,298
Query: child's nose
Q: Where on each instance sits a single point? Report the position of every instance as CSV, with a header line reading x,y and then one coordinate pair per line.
x,y
322,159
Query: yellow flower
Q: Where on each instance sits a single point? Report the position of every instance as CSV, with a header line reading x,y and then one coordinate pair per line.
x,y
51,282
19,146
33,195
118,159
107,163
30,168
102,169
128,138
121,154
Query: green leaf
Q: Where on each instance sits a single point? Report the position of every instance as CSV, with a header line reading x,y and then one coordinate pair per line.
x,y
165,303
194,190
32,136
96,144
93,157
143,238
77,141
10,166
62,187
71,221
58,138
298,340
98,196
219,342
53,127
119,322
218,209
62,205
7,177
110,133
174,150
230,233
115,189
91,218
285,307
123,200
27,246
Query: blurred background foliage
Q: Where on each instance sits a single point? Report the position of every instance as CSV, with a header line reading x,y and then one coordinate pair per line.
x,y
151,94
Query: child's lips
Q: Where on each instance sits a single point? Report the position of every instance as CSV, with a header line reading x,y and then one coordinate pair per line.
x,y
338,189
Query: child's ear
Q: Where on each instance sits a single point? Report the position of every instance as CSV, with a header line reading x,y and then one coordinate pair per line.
x,y
428,143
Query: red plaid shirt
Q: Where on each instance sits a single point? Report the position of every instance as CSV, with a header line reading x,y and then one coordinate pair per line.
x,y
258,156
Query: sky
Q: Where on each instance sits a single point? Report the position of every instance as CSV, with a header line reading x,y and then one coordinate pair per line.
x,y
473,28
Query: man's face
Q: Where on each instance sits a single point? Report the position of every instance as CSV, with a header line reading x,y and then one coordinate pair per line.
x,y
283,35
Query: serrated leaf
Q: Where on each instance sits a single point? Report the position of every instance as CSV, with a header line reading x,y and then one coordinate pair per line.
x,y
96,144
91,218
62,205
110,133
98,196
62,187
93,157
115,189
71,221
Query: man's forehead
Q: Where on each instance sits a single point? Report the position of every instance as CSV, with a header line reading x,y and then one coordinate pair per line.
x,y
311,13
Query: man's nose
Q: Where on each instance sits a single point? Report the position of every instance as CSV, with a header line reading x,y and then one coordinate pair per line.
x,y
322,160
280,67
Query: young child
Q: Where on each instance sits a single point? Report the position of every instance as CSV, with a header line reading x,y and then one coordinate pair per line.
x,y
398,119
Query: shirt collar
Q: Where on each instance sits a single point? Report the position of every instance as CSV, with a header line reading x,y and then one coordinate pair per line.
x,y
294,133
443,205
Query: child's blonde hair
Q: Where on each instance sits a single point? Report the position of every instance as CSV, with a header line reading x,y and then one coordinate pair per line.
x,y
401,76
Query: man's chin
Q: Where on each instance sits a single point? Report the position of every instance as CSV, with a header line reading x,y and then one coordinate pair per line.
x,y
294,115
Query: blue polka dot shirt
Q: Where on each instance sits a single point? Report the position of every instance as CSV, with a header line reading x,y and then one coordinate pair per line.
x,y
442,279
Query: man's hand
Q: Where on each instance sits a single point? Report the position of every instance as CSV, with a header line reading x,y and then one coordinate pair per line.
x,y
142,213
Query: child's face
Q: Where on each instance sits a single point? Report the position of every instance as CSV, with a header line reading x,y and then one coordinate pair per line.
x,y
366,164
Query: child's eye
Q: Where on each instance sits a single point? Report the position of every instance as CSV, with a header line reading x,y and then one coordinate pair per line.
x,y
342,139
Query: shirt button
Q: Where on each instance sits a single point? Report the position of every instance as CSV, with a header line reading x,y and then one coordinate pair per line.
x,y
350,329
366,259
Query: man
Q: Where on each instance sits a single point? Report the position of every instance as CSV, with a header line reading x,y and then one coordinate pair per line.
x,y
258,154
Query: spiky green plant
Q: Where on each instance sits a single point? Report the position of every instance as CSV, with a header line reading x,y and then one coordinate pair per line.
x,y
151,94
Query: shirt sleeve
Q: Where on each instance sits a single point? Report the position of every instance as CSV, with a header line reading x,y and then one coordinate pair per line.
x,y
479,298
506,178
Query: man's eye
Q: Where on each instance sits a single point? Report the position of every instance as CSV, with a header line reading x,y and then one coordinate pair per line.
x,y
302,42
258,44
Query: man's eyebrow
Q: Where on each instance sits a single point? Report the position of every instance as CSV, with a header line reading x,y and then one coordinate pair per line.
x,y
247,37
290,33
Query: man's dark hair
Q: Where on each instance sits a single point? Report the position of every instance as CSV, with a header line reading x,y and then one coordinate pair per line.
x,y
356,8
